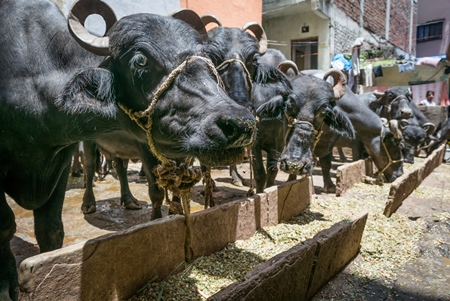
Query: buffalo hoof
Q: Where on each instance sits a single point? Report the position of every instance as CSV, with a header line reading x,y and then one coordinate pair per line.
x,y
132,205
330,189
238,183
88,209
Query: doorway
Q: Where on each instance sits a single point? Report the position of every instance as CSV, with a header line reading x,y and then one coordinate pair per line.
x,y
304,53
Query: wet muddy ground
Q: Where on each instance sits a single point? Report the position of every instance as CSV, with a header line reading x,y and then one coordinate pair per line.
x,y
426,279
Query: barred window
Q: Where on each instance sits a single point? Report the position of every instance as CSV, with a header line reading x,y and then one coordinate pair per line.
x,y
430,31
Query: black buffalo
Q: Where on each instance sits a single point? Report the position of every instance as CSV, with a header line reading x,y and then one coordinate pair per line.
x,y
235,52
384,149
397,103
292,116
54,94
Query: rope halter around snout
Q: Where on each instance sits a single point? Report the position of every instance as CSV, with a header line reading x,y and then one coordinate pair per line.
x,y
379,173
168,176
293,121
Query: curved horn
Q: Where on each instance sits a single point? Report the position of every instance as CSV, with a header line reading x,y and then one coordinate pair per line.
x,y
77,16
429,128
190,17
259,33
286,65
207,19
340,82
403,124
393,126
384,121
378,94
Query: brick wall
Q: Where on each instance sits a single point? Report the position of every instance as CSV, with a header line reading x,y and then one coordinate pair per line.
x,y
375,22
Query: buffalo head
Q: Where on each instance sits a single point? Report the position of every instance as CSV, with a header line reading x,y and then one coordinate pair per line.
x,y
308,107
169,92
234,51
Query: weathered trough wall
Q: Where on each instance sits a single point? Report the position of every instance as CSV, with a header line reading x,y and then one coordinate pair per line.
x,y
115,266
405,185
299,273
347,175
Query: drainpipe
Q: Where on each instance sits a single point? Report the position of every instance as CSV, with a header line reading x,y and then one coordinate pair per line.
x,y
411,28
388,18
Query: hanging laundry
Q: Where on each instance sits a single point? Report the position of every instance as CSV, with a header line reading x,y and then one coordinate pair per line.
x,y
368,75
378,71
409,66
429,61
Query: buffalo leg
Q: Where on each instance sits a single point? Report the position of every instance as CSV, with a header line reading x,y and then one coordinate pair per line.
x,y
325,164
259,171
90,157
235,176
272,168
9,287
48,225
126,197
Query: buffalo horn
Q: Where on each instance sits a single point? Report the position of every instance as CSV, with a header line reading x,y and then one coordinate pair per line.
x,y
286,65
77,16
340,82
378,94
403,124
207,19
429,128
393,126
190,17
259,33
384,121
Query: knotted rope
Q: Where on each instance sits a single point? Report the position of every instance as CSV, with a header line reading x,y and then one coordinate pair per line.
x,y
179,179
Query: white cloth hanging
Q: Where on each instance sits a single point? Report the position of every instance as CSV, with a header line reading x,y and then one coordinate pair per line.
x,y
368,75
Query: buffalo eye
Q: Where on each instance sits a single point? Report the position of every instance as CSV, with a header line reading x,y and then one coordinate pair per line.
x,y
140,60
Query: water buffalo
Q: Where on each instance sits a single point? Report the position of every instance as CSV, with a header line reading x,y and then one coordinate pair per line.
x,y
291,122
397,103
54,93
369,132
234,51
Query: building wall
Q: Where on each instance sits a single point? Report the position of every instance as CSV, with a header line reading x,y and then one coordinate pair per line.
x,y
374,19
439,10
287,28
232,13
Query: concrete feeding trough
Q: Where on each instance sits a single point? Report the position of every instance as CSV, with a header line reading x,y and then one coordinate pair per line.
x,y
403,186
116,265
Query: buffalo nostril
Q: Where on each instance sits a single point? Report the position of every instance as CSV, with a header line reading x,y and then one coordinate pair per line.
x,y
227,126
238,131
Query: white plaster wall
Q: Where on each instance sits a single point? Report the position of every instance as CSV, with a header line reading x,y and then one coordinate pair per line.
x,y
288,28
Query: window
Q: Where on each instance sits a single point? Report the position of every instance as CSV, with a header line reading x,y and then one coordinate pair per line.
x,y
430,31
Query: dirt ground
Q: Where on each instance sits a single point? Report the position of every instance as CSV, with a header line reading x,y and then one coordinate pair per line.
x,y
426,279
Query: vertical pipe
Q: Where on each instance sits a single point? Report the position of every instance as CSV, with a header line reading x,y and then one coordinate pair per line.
x,y
388,18
411,28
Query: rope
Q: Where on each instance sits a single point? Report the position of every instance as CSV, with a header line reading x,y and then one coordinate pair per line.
x,y
390,161
249,77
293,121
169,176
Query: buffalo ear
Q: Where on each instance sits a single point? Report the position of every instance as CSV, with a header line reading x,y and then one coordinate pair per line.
x,y
89,91
271,109
339,122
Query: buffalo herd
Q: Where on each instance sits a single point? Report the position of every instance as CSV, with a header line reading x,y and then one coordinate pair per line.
x,y
164,90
